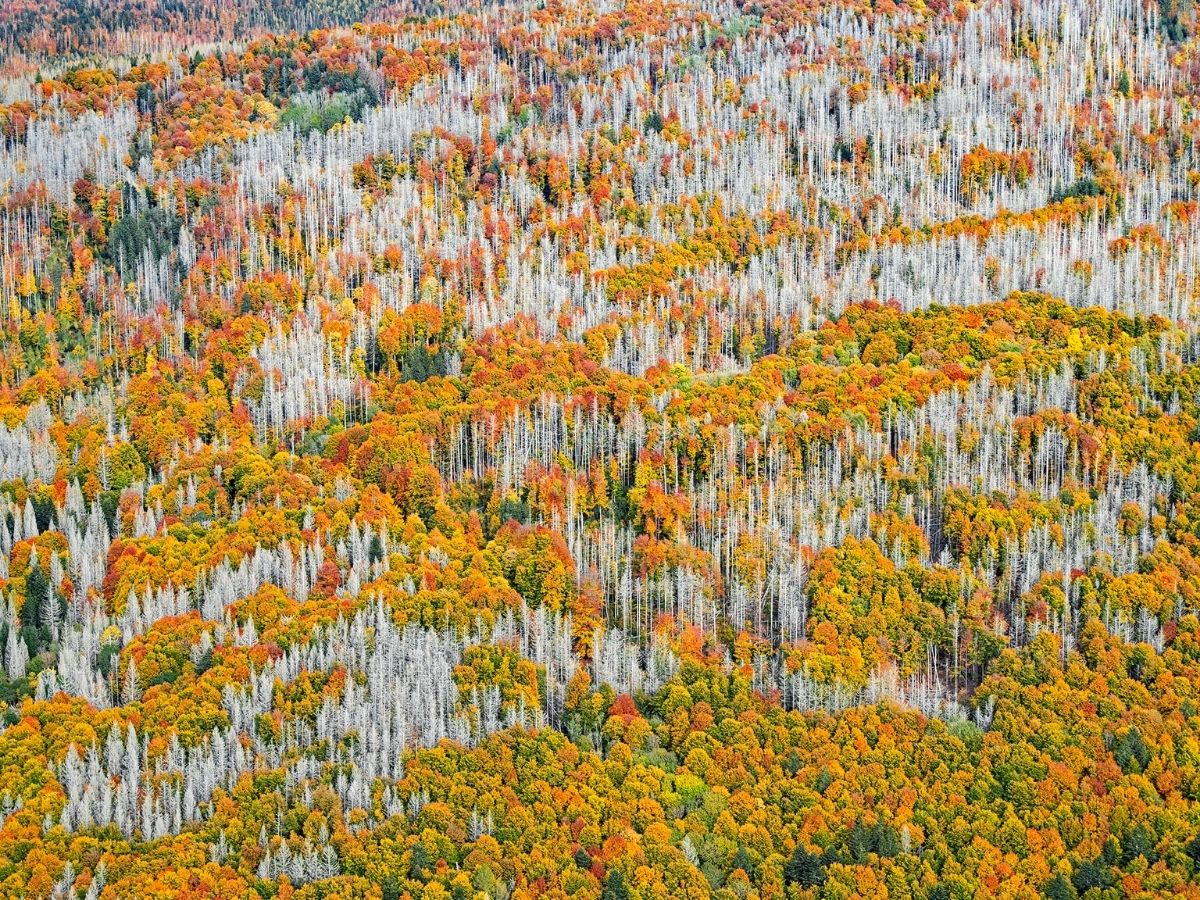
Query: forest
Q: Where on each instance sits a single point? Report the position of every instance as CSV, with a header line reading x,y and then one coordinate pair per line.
x,y
618,450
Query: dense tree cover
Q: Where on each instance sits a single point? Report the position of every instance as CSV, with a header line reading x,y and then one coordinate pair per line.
x,y
34,33
664,450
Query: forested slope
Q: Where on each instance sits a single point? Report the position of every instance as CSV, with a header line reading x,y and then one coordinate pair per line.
x,y
655,450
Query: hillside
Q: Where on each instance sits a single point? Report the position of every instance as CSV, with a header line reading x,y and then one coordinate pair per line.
x,y
659,449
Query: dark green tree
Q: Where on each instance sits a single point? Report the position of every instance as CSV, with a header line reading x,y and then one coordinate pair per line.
x,y
742,860
615,887
419,861
1058,888
804,869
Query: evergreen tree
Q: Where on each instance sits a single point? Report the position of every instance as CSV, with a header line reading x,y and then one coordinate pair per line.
x,y
742,860
419,861
1090,874
1058,888
615,887
859,843
1193,851
37,588
887,841
804,868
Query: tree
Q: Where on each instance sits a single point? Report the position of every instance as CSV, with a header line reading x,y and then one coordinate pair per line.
x,y
419,861
741,860
860,843
1059,888
615,887
804,868
1193,851
37,589
1090,873
887,841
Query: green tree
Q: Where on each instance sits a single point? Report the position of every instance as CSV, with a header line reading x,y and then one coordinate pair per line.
x,y
419,861
615,887
1058,888
804,869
